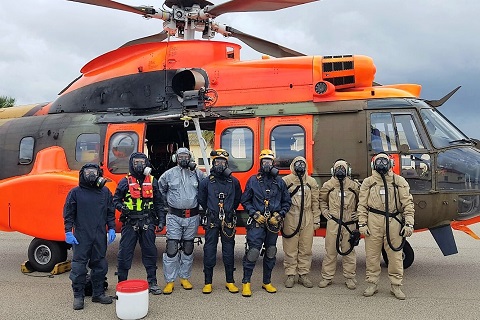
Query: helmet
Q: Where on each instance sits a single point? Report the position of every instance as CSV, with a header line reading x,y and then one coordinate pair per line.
x,y
267,154
219,153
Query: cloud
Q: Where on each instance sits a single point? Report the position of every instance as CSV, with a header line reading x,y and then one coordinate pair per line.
x,y
45,43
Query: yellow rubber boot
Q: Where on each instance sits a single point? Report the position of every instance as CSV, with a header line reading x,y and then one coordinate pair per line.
x,y
269,288
186,284
168,288
246,291
231,287
207,288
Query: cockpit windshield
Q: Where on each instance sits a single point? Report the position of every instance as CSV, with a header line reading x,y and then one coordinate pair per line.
x,y
440,130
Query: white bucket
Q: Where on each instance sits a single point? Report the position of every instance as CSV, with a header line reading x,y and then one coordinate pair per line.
x,y
132,299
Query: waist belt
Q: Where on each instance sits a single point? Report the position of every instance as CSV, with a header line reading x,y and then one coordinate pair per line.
x,y
393,215
183,213
138,216
344,223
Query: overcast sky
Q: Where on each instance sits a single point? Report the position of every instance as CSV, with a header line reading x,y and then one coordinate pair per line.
x,y
435,43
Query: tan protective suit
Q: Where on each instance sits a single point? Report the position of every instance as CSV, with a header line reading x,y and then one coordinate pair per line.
x,y
372,195
330,204
298,249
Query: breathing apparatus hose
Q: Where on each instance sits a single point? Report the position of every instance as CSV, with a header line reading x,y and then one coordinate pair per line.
x,y
340,223
387,218
302,208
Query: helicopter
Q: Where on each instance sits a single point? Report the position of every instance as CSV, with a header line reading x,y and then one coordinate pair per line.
x,y
155,94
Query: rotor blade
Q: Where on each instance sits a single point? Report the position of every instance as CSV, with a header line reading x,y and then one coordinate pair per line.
x,y
159,37
112,5
263,46
253,5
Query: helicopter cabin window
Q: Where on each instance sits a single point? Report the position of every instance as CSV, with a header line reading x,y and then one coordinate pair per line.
x,y
121,146
287,142
239,143
26,150
382,132
87,148
417,169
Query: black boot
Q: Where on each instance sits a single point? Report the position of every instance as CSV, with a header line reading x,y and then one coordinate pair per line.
x,y
103,299
78,303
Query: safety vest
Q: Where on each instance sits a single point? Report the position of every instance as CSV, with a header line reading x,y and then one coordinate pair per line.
x,y
143,194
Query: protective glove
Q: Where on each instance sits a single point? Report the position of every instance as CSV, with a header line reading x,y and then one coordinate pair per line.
x,y
70,238
160,227
260,218
275,219
111,235
354,216
363,229
327,215
406,231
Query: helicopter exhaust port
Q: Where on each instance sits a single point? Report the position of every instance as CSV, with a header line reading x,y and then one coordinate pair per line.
x,y
191,86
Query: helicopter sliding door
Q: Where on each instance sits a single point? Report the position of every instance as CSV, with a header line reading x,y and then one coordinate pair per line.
x,y
121,141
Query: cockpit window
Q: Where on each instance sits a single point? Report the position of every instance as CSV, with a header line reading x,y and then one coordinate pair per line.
x,y
441,131
407,132
382,132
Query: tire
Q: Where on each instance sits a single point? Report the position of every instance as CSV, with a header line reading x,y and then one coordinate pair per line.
x,y
408,255
43,255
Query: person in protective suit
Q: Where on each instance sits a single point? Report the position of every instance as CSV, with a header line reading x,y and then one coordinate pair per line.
x,y
219,195
298,225
138,199
267,201
89,211
179,188
338,203
385,197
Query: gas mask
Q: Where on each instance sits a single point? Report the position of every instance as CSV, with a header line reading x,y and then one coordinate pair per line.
x,y
183,160
300,168
220,167
92,177
382,165
268,168
340,172
139,165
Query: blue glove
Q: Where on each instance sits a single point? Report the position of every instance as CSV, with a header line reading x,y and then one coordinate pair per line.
x,y
111,235
70,238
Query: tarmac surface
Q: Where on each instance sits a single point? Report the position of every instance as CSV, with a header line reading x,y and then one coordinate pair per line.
x,y
437,287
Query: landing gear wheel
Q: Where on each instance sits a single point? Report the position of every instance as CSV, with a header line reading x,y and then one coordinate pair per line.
x,y
45,254
408,255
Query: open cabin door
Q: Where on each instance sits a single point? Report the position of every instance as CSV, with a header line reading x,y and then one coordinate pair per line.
x,y
121,140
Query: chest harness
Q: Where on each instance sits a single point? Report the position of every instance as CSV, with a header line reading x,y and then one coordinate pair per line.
x,y
139,200
228,228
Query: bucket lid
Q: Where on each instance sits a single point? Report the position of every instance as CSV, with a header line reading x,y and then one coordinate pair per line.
x,y
133,285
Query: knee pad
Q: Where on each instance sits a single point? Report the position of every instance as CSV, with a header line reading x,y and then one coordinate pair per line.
x,y
253,254
188,247
172,247
270,252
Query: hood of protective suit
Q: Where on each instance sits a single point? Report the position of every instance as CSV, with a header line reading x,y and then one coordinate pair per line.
x,y
139,176
292,167
81,178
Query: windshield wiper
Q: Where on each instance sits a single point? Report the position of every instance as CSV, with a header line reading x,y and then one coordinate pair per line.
x,y
461,140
